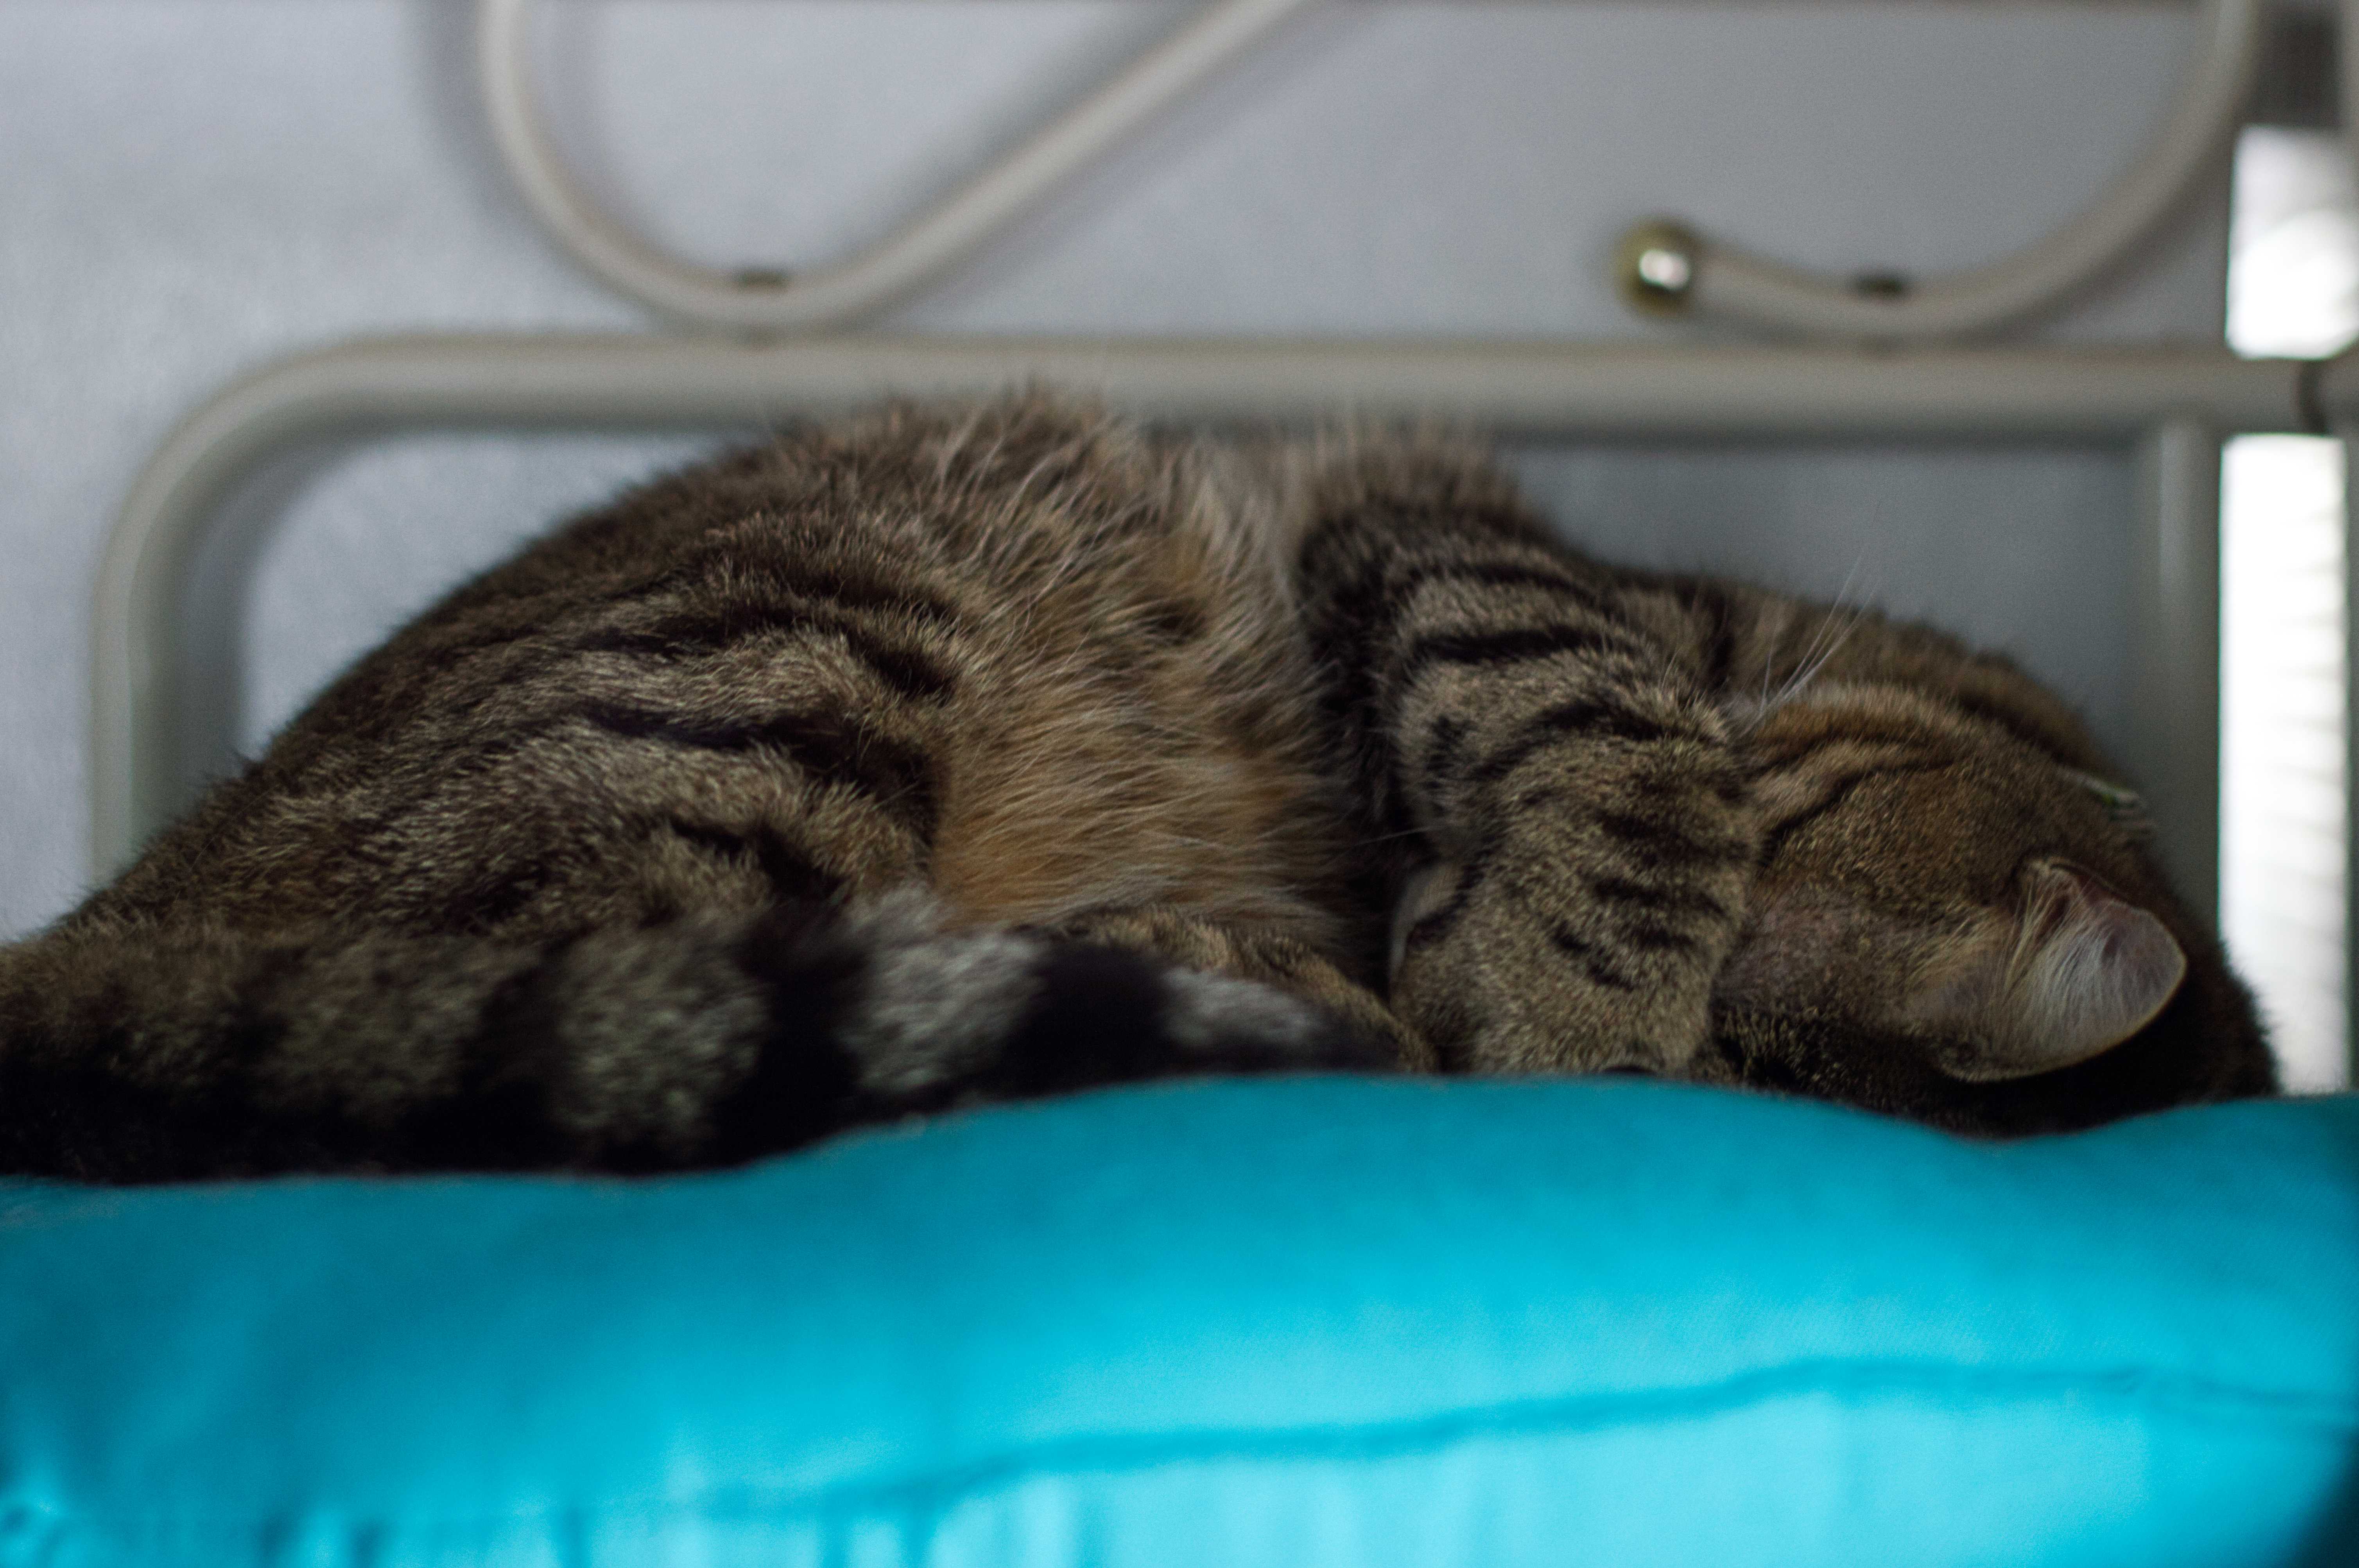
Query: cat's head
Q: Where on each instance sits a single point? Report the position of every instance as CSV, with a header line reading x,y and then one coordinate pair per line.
x,y
1954,923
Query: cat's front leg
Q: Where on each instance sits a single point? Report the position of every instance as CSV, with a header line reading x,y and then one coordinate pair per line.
x,y
1543,748
1592,877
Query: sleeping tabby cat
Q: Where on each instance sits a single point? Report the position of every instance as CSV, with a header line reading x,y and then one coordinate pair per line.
x,y
954,754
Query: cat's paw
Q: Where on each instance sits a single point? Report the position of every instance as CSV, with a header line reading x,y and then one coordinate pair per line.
x,y
1496,981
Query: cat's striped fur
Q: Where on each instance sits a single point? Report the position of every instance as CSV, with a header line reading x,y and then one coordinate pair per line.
x,y
988,751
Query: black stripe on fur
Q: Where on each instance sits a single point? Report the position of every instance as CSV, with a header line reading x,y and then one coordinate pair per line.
x,y
793,878
703,632
1588,717
1662,844
1667,900
834,748
1097,1017
819,583
1522,646
804,1085
1517,574
1593,960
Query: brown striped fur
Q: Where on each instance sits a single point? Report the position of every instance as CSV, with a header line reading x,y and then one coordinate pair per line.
x,y
957,753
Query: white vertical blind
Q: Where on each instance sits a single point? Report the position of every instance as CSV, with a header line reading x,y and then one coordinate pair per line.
x,y
2293,288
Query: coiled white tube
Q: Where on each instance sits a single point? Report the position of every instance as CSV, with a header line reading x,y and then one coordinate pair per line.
x,y
778,302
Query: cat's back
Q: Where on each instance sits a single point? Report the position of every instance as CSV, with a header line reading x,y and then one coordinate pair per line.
x,y
1014,652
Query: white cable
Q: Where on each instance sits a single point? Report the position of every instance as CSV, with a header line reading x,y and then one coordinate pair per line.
x,y
895,267
1665,267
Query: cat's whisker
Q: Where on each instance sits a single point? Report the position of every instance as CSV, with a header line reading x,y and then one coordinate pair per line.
x,y
1835,637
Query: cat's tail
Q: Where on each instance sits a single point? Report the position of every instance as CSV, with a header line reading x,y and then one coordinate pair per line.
x,y
145,1054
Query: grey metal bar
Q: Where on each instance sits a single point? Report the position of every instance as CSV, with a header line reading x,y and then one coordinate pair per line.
x,y
528,381
2175,653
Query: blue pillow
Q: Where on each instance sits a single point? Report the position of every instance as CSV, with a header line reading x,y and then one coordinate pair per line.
x,y
1288,1323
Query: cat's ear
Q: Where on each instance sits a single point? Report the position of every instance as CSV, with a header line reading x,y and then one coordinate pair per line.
x,y
2087,970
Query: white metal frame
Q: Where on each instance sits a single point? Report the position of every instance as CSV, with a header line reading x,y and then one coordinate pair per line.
x,y
904,261
1664,267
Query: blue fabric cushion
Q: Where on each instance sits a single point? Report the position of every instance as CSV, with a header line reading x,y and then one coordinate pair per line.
x,y
1297,1323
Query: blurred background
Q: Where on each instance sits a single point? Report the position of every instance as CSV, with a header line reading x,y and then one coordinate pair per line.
x,y
189,189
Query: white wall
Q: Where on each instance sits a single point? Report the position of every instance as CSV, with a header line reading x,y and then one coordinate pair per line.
x,y
189,188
